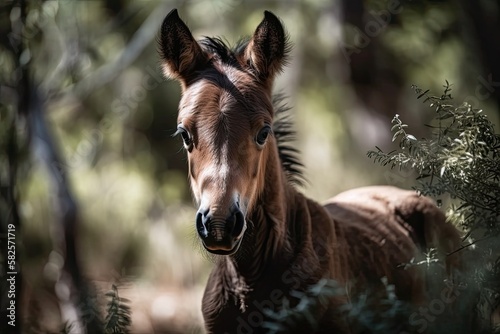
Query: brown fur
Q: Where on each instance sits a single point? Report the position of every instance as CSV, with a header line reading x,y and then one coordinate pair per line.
x,y
290,242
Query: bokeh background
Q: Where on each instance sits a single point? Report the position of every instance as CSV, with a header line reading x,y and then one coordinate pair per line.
x,y
87,75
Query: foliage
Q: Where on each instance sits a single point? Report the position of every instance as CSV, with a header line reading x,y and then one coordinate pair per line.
x,y
118,315
375,310
378,311
461,160
288,316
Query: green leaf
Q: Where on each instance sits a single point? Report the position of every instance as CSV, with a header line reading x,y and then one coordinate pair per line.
x,y
411,137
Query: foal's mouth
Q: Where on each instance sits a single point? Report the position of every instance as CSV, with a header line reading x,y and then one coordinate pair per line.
x,y
223,250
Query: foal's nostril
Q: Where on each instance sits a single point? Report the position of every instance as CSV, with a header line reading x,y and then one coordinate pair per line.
x,y
202,221
239,223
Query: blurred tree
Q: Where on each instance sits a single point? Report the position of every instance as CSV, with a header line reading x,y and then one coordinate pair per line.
x,y
484,17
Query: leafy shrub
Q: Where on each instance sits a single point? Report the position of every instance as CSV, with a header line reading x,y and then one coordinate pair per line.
x,y
461,160
459,165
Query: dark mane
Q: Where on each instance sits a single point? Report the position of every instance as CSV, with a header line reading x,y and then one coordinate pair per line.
x,y
285,134
215,46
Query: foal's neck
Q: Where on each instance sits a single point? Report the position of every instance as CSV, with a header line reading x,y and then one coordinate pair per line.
x,y
267,240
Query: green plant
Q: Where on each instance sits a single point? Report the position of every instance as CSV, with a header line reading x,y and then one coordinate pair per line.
x,y
375,310
461,160
459,165
118,313
302,307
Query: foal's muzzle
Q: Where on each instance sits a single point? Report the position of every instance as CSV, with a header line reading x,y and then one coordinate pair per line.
x,y
221,235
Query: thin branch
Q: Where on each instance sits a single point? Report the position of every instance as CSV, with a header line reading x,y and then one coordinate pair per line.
x,y
469,244
109,71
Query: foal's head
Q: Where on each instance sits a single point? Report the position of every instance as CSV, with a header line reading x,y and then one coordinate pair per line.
x,y
224,119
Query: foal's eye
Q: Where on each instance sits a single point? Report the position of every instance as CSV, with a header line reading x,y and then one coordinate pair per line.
x,y
186,137
261,137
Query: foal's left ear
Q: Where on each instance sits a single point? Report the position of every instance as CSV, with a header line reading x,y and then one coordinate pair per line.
x,y
267,50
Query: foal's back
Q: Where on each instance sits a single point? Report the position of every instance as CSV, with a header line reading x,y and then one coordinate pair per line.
x,y
385,230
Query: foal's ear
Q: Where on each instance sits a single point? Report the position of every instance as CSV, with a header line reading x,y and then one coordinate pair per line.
x,y
267,50
180,52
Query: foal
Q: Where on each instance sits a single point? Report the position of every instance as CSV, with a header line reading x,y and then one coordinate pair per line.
x,y
271,239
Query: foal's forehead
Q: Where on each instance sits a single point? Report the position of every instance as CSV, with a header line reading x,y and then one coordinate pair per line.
x,y
231,93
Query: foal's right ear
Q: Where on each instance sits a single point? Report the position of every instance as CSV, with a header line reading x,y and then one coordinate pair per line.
x,y
180,52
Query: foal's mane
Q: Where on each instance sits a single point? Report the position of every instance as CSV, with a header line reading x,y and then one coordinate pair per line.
x,y
285,134
283,129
